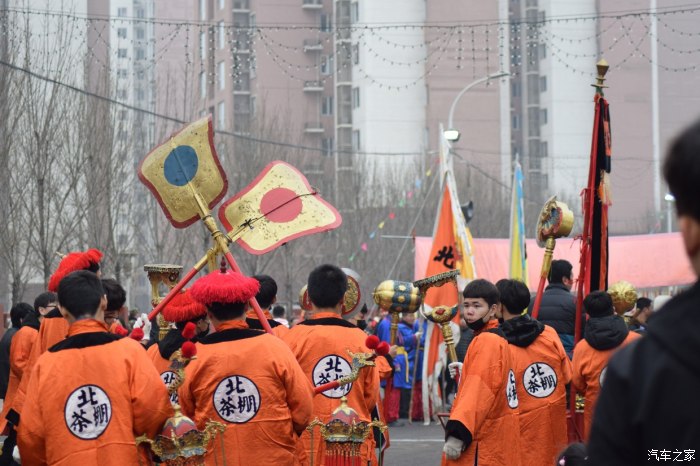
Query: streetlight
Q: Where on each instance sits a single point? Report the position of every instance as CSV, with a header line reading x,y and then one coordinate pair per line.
x,y
452,134
670,199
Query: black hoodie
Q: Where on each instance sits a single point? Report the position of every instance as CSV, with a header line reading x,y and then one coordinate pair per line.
x,y
172,342
522,330
31,320
649,400
604,333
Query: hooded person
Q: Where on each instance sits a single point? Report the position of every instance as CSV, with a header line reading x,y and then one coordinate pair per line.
x,y
54,327
321,344
606,331
543,369
266,297
484,414
245,378
92,393
181,310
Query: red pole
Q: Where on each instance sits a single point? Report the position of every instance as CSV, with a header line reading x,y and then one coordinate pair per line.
x,y
253,302
538,298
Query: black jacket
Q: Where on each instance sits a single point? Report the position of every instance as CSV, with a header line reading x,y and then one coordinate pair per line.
x,y
5,343
558,309
522,330
604,333
648,406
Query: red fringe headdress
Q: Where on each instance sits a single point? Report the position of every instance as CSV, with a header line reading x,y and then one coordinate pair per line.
x,y
183,308
72,262
225,287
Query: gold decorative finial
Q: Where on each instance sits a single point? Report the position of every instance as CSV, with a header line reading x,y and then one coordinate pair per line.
x,y
602,67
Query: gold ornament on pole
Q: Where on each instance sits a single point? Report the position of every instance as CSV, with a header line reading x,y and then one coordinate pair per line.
x,y
397,297
165,274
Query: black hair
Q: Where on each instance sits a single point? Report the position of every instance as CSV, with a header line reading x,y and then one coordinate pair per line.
x,y
278,311
575,454
642,303
598,304
327,285
682,171
80,293
181,325
560,269
227,311
116,295
18,312
267,292
44,299
515,296
484,289
94,267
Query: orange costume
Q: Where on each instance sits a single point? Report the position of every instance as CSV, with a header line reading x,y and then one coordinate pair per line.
x,y
485,410
87,399
278,330
252,383
603,336
542,369
321,346
20,349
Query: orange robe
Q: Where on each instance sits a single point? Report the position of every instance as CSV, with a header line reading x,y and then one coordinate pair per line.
x,y
20,349
542,369
321,346
87,399
251,382
486,405
278,330
160,353
54,328
589,365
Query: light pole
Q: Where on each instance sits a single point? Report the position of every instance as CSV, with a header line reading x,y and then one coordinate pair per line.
x,y
670,199
452,134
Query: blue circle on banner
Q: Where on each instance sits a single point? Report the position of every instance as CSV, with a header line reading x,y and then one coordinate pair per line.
x,y
181,165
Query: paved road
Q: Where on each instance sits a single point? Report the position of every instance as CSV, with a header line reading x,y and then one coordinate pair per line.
x,y
415,444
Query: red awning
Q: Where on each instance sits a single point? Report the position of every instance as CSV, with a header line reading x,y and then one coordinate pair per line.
x,y
646,261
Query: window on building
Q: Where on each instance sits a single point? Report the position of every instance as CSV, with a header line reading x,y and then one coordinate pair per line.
x,y
221,75
222,4
355,97
122,94
203,45
121,12
355,12
516,122
220,115
533,122
253,21
327,147
325,23
356,140
139,13
221,34
327,105
543,116
543,51
140,95
253,105
122,73
515,88
543,149
543,83
326,66
121,33
356,54
203,85
140,75
140,54
121,53
202,9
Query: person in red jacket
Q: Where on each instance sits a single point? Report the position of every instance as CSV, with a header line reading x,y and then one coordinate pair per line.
x,y
245,378
321,344
92,393
605,333
542,370
483,426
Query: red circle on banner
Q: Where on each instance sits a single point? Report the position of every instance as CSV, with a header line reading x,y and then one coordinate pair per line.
x,y
281,205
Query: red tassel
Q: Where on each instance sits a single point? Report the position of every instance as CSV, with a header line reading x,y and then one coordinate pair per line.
x,y
189,331
189,350
372,341
137,334
121,331
383,349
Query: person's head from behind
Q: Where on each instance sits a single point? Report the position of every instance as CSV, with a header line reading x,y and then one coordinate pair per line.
x,y
116,297
574,454
514,297
81,296
18,312
278,312
267,295
561,272
45,303
481,300
598,304
326,286
643,309
225,294
682,172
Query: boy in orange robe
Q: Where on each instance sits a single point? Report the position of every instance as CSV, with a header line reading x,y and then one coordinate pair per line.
x,y
483,426
266,297
181,310
542,369
91,394
605,333
244,378
321,344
